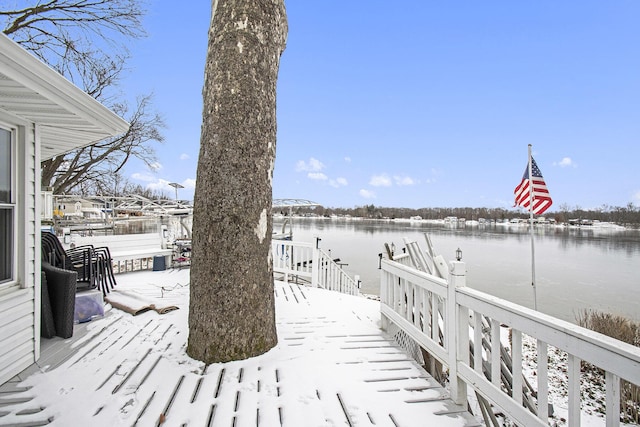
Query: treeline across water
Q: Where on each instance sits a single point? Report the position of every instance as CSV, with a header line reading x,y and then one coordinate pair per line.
x,y
627,215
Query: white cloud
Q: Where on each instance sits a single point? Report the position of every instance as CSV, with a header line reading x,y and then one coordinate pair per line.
x,y
143,177
404,180
160,185
367,194
380,181
384,180
565,162
347,159
155,166
317,176
313,165
338,182
184,156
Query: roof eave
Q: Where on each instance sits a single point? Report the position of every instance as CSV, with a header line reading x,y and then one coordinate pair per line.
x,y
31,73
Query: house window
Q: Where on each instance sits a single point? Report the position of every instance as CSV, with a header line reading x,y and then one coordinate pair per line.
x,y
7,207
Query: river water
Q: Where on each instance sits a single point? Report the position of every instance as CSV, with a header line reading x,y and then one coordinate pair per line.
x,y
575,268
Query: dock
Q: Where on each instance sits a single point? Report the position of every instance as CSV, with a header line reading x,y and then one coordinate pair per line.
x,y
333,365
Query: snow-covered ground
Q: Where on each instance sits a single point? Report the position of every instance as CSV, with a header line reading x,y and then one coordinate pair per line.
x,y
332,366
592,386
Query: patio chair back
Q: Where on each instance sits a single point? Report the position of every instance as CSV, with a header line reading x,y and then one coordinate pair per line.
x,y
92,265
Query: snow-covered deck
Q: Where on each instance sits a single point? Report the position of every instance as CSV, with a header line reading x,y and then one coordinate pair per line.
x,y
332,366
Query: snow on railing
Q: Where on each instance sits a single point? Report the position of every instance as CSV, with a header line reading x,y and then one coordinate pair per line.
x,y
450,320
304,262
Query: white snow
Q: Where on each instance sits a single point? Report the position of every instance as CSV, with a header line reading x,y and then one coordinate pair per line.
x,y
331,357
261,228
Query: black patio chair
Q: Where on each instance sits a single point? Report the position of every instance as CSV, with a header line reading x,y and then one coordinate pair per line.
x,y
47,325
61,288
96,262
93,265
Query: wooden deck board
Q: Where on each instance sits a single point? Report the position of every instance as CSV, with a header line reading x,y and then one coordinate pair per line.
x,y
137,373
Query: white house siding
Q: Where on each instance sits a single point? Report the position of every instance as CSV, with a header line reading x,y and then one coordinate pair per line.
x,y
17,344
20,303
52,117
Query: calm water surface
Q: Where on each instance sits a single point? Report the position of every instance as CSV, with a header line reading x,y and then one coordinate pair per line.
x,y
576,268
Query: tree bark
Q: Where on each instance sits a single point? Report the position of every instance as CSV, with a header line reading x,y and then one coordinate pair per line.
x,y
231,308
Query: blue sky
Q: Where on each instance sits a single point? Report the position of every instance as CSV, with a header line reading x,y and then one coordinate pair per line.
x,y
422,103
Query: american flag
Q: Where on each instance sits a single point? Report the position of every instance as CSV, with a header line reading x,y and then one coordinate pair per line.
x,y
541,197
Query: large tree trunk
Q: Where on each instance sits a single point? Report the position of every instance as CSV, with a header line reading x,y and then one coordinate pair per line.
x,y
231,309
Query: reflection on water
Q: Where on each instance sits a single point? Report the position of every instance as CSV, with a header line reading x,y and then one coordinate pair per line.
x,y
576,268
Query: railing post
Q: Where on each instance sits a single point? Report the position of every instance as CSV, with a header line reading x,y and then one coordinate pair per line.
x,y
613,399
543,381
457,321
384,298
315,263
573,390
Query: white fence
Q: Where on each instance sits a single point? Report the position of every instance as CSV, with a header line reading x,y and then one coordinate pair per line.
x,y
305,262
449,319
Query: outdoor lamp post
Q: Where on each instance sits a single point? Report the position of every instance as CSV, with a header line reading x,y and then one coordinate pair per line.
x,y
458,254
176,186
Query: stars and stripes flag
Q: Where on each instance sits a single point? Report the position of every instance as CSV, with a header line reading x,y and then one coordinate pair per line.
x,y
541,198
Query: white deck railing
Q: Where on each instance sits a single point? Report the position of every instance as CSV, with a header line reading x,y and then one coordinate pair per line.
x,y
292,259
299,261
448,320
331,276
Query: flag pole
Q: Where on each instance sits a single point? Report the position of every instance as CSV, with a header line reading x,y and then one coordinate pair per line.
x,y
533,252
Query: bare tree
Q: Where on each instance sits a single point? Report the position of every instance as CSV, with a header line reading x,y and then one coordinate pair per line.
x,y
63,33
86,41
99,165
231,309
